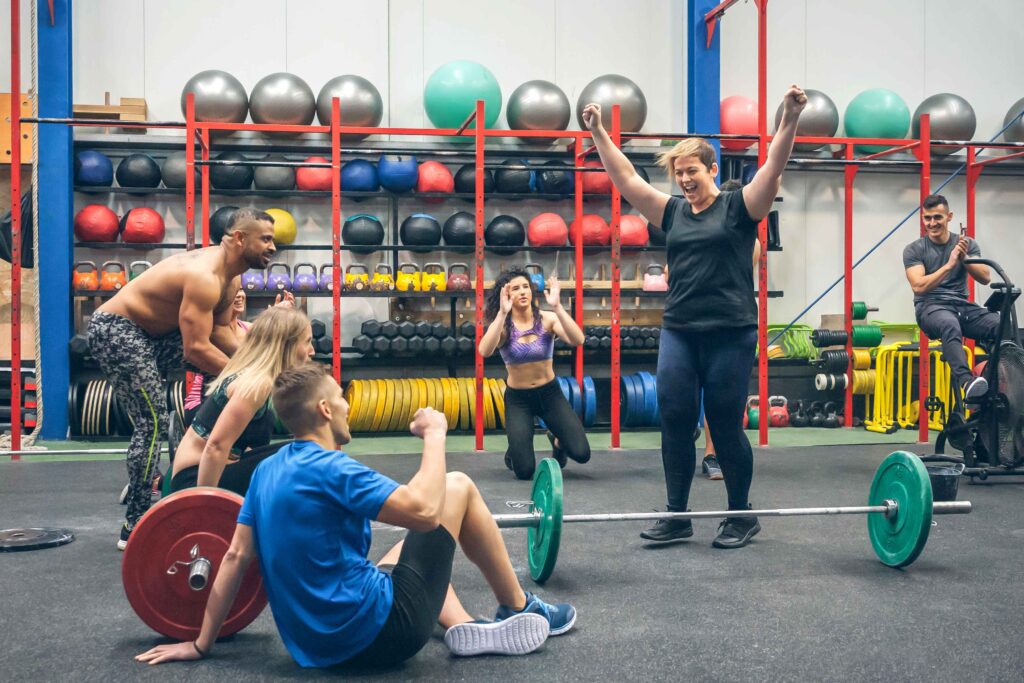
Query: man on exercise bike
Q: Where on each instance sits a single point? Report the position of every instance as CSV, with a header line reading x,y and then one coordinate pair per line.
x,y
938,276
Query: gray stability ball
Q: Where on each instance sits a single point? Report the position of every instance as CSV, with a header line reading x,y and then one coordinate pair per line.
x,y
952,118
538,105
274,177
359,100
614,89
820,118
283,99
1014,133
220,97
173,171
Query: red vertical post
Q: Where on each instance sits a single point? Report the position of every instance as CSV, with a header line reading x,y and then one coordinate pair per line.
x,y
478,191
205,184
973,174
336,236
190,171
578,252
849,173
762,228
616,287
925,155
16,227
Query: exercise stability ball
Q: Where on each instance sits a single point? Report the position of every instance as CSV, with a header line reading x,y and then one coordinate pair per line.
x,y
452,91
538,105
952,118
219,97
1014,133
282,98
876,113
820,118
614,89
359,100
738,116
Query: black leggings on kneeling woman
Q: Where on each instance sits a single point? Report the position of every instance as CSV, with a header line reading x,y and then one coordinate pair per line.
x,y
548,403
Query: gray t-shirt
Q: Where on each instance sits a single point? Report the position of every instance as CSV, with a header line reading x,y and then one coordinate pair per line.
x,y
924,252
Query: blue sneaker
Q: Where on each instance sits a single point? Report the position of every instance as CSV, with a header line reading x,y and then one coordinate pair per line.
x,y
561,617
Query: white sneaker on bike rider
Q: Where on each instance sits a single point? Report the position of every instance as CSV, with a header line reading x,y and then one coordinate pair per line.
x,y
975,388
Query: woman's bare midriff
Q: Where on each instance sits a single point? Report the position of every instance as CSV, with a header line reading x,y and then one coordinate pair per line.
x,y
530,375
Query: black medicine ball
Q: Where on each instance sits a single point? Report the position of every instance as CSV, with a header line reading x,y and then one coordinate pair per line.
x,y
505,231
465,179
220,221
420,230
514,181
362,229
555,182
231,177
138,170
460,230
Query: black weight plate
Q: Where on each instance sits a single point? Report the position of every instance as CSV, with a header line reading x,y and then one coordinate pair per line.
x,y
35,538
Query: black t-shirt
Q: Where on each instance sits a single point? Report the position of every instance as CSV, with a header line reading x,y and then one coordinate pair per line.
x,y
924,252
710,269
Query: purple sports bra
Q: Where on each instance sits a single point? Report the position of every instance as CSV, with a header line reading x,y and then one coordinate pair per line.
x,y
515,352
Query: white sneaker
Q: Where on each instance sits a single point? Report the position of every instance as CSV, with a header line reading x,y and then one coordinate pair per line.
x,y
975,388
520,634
123,500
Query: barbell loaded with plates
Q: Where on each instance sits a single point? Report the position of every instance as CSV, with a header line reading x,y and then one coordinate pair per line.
x,y
176,549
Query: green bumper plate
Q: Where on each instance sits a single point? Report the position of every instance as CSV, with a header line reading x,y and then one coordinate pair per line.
x,y
898,540
543,541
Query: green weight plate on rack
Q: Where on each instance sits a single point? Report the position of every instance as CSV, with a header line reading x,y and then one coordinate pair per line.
x,y
899,539
543,541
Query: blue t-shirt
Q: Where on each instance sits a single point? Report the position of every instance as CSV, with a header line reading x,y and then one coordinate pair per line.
x,y
310,511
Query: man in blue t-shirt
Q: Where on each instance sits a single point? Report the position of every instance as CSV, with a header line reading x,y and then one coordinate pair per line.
x,y
938,276
307,516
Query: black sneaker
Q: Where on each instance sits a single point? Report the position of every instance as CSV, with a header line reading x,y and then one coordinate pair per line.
x,y
709,466
975,388
557,453
736,532
668,530
122,542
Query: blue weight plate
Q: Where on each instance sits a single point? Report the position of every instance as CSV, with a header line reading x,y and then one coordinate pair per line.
x,y
630,400
577,396
650,397
589,401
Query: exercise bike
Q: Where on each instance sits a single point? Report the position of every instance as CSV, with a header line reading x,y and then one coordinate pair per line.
x,y
992,438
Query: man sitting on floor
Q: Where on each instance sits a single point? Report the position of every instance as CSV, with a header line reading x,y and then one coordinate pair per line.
x,y
938,276
306,517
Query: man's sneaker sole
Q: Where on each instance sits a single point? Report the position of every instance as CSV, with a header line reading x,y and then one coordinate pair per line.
x,y
975,389
520,634
738,542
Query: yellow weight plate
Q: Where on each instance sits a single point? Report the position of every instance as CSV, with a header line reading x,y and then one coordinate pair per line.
x,y
421,385
410,400
446,401
466,413
499,404
371,404
471,396
352,398
387,409
376,404
431,399
414,399
488,405
396,409
382,405
364,402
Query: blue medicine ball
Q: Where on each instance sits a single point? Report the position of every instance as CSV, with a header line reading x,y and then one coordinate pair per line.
x,y
398,173
93,169
359,176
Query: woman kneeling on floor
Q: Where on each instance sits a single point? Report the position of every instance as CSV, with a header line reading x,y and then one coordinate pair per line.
x,y
230,433
525,336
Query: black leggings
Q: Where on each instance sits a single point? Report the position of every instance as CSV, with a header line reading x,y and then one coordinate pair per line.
x,y
548,403
236,475
719,361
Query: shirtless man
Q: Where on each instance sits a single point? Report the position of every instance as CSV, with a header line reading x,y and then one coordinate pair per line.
x,y
180,309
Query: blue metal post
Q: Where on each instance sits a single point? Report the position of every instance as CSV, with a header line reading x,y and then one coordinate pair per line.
x,y
703,69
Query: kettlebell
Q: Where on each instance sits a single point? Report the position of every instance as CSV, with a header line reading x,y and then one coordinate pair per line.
x,y
357,278
432,279
799,416
85,277
536,276
778,411
304,281
137,268
817,416
279,277
655,279
383,278
831,415
753,413
458,278
327,278
408,278
113,276
252,282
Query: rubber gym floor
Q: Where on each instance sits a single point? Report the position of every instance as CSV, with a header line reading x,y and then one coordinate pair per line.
x,y
806,601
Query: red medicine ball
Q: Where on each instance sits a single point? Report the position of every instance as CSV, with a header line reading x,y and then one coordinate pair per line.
x,y
547,230
434,177
310,179
596,183
142,225
96,223
596,232
632,231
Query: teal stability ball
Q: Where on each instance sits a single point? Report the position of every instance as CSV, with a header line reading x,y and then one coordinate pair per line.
x,y
876,113
452,91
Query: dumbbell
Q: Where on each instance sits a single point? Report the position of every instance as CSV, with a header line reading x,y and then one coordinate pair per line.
x,y
406,328
634,331
439,331
468,329
78,348
389,329
362,344
416,343
449,345
319,328
606,343
323,345
628,342
431,345
464,345
381,344
591,340
424,329
371,328
650,343
399,345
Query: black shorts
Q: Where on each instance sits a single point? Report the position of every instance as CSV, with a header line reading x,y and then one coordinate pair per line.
x,y
420,581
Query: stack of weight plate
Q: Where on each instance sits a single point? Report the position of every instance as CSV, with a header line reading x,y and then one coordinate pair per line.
x,y
585,402
94,411
638,400
388,405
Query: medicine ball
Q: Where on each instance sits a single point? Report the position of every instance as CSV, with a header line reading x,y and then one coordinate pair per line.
x,y
465,179
142,224
93,169
596,232
514,181
173,172
362,229
397,173
231,177
284,226
359,176
138,170
505,231
220,221
273,177
420,230
547,230
434,177
656,235
460,230
596,183
555,182
632,231
96,223
313,179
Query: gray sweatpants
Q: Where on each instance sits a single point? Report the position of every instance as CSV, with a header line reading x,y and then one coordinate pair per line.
x,y
951,322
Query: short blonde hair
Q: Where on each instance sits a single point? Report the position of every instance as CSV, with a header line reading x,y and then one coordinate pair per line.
x,y
690,147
